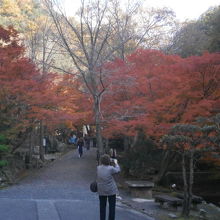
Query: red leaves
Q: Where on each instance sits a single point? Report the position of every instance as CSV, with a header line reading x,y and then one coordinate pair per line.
x,y
155,91
27,95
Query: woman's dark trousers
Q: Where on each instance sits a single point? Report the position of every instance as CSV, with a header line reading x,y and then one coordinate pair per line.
x,y
111,202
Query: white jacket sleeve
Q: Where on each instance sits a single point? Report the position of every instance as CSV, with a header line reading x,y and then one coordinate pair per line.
x,y
116,169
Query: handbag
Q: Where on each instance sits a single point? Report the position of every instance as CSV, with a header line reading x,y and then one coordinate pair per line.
x,y
93,186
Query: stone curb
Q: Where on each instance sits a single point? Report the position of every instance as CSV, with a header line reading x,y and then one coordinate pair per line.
x,y
126,203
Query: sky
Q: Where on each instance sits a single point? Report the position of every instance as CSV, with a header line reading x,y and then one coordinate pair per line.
x,y
184,9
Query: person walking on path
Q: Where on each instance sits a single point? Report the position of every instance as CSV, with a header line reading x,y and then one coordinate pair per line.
x,y
107,188
87,142
80,144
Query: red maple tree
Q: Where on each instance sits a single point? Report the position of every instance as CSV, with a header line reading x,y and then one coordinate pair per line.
x,y
155,91
28,95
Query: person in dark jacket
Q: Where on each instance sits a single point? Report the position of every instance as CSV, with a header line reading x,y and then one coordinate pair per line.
x,y
80,144
107,188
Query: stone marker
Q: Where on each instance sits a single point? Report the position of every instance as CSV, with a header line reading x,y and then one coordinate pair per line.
x,y
141,189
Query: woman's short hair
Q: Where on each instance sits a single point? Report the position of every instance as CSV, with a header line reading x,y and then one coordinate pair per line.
x,y
105,159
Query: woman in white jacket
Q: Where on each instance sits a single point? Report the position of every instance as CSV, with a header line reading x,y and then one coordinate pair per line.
x,y
107,188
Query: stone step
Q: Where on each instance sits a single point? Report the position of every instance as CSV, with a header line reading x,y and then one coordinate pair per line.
x,y
47,210
64,209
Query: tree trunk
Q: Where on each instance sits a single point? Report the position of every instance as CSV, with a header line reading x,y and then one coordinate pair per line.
x,y
42,150
186,207
191,177
125,143
98,126
134,140
168,158
107,145
30,146
18,143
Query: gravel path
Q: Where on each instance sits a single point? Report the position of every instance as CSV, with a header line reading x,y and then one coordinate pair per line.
x,y
59,191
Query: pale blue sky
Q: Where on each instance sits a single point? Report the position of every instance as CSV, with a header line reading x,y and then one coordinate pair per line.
x,y
184,9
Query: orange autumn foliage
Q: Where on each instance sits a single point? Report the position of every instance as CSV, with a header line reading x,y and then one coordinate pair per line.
x,y
27,95
154,91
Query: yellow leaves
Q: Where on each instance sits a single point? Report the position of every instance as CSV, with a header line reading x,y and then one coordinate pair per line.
x,y
32,26
19,13
10,13
10,8
27,5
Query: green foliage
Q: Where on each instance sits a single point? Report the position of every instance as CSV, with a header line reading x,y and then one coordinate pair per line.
x,y
173,139
208,128
185,128
190,40
3,144
3,163
2,139
141,160
196,37
3,150
212,22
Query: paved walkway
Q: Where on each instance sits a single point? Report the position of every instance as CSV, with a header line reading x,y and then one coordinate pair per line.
x,y
59,192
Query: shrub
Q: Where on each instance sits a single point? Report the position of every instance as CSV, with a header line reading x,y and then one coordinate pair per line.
x,y
141,160
3,163
4,149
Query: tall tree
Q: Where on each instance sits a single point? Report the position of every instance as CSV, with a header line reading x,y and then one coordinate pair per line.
x,y
33,96
35,26
153,91
211,20
196,37
189,40
88,47
100,32
186,139
136,27
18,13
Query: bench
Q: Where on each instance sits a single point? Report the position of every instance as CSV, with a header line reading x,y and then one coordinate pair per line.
x,y
141,189
169,200
195,199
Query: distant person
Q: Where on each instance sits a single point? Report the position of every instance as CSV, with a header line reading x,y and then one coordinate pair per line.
x,y
80,144
97,156
113,153
27,160
46,144
87,142
107,188
73,139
